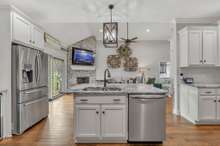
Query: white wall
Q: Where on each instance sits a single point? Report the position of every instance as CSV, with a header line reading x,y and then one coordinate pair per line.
x,y
68,33
5,67
149,53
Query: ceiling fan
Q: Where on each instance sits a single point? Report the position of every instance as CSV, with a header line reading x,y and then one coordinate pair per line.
x,y
127,40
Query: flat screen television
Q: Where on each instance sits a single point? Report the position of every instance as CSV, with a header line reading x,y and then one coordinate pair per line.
x,y
82,57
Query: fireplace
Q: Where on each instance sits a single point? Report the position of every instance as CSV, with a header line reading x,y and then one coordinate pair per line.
x,y
82,80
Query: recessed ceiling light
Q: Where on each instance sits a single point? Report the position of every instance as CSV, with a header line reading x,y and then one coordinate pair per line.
x,y
147,30
101,30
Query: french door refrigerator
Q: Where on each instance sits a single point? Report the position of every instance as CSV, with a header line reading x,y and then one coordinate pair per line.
x,y
29,87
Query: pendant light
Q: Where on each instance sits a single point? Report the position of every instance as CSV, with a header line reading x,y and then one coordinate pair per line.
x,y
110,32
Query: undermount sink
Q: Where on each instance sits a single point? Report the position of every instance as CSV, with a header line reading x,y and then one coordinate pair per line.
x,y
101,89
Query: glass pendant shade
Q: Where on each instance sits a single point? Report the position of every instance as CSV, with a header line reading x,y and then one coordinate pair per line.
x,y
110,34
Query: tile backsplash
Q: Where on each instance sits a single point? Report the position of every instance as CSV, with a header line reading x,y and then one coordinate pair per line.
x,y
205,75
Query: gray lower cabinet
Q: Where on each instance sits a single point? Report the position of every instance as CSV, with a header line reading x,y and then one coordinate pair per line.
x,y
87,122
100,119
200,105
209,108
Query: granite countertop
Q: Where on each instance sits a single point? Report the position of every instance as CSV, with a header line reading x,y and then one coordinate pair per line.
x,y
126,89
202,85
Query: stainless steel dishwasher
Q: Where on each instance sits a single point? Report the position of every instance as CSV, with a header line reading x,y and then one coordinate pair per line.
x,y
147,118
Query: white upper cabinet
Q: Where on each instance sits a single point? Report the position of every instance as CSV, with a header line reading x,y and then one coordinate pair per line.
x,y
37,37
210,46
183,41
198,46
195,47
23,31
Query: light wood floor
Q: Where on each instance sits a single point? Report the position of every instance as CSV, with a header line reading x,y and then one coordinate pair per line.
x,y
57,130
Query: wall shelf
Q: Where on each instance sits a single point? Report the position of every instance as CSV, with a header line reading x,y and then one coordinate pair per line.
x,y
82,67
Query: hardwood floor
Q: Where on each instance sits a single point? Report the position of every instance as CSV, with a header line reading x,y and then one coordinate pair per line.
x,y
57,130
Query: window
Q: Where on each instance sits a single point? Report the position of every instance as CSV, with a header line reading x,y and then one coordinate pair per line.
x,y
164,70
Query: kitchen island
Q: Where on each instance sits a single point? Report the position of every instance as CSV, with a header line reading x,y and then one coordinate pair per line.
x,y
102,114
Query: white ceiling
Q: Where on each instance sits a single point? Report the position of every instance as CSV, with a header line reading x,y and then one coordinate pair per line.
x,y
131,10
72,32
73,20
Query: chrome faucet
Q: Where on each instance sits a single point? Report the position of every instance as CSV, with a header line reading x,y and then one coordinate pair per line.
x,y
109,75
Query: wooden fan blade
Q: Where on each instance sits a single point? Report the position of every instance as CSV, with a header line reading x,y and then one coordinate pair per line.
x,y
134,38
123,39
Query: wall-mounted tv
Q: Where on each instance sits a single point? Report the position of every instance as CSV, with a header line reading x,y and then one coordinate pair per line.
x,y
82,56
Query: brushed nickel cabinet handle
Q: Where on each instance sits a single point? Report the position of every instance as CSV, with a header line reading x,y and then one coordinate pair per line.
x,y
116,99
84,100
208,92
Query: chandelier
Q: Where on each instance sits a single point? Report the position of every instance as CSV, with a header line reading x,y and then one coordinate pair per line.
x,y
110,32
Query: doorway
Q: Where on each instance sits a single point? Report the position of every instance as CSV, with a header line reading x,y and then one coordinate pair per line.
x,y
56,77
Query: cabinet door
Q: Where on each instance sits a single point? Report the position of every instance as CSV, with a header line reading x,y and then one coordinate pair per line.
x,y
210,47
193,103
207,107
218,108
114,122
184,102
37,37
183,45
87,122
195,47
21,29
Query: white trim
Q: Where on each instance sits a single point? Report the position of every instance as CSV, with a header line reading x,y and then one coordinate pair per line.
x,y
197,20
82,67
5,109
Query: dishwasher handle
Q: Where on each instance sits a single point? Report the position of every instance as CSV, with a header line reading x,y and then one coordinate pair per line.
x,y
148,96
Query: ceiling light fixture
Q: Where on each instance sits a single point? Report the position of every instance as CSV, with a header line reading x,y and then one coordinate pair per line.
x,y
110,32
147,30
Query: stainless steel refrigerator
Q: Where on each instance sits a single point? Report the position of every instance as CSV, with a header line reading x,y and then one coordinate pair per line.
x,y
29,87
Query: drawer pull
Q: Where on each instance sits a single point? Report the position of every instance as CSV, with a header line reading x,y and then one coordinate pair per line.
x,y
208,92
116,99
84,100
103,112
215,100
97,112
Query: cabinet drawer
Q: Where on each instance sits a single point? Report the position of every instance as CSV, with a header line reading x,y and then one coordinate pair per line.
x,y
218,91
207,91
100,99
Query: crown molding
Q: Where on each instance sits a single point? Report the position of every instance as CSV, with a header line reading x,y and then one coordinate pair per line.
x,y
197,20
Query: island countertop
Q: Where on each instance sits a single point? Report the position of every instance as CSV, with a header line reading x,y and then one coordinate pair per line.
x,y
125,89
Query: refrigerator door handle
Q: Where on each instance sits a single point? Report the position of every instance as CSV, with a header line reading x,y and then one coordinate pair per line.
x,y
30,92
35,101
39,67
36,68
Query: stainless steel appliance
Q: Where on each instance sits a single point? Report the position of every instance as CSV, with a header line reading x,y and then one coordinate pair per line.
x,y
29,87
147,118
